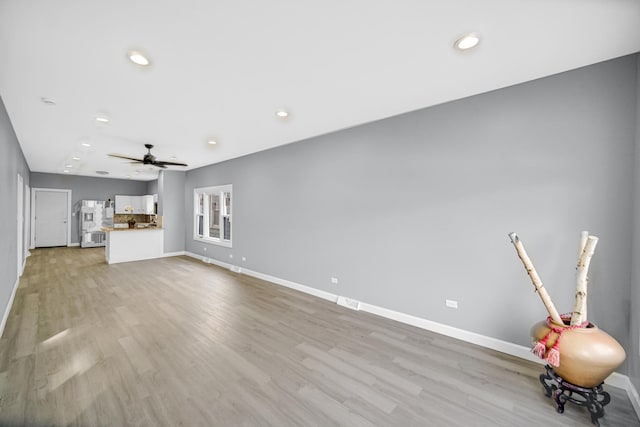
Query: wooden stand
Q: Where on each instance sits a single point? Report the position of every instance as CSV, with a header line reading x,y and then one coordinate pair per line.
x,y
562,391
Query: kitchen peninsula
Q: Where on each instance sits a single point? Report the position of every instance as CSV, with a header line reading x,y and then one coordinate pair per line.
x,y
134,244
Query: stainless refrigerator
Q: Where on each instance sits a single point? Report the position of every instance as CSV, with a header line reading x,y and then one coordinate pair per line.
x,y
94,214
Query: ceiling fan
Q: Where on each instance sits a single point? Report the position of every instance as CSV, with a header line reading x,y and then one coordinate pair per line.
x,y
149,159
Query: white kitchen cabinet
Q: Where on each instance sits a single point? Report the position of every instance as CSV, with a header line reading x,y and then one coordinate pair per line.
x,y
138,204
148,204
124,204
135,205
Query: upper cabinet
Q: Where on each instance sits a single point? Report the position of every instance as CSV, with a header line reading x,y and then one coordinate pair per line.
x,y
124,205
148,204
135,205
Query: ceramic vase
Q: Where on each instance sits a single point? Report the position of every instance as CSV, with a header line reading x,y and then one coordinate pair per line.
x,y
587,355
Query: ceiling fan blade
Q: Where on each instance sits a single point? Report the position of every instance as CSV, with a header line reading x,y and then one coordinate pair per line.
x,y
159,163
125,157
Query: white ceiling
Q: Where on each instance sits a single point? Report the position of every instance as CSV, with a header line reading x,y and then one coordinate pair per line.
x,y
221,69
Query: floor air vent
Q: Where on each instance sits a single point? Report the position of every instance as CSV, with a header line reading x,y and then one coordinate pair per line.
x,y
349,303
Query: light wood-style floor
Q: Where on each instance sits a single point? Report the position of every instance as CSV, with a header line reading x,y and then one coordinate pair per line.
x,y
175,342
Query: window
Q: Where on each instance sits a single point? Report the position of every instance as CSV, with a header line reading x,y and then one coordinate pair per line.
x,y
212,209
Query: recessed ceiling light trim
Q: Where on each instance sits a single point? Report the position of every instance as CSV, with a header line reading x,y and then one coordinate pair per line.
x,y
138,58
212,141
282,113
102,172
48,101
466,42
102,119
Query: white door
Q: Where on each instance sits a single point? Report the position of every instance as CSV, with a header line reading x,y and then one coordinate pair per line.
x,y
20,217
52,209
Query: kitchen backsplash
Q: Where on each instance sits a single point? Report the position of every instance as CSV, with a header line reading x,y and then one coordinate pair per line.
x,y
138,218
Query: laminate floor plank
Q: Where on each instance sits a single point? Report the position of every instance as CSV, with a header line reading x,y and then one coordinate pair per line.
x,y
174,341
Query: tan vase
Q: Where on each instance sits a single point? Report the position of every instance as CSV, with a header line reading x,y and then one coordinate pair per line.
x,y
587,355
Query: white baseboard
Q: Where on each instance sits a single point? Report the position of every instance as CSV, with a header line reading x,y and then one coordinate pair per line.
x,y
196,256
286,283
73,244
626,384
615,379
635,398
208,260
8,307
450,331
170,254
293,285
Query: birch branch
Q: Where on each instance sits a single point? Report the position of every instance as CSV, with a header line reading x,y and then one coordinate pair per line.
x,y
580,308
583,242
535,279
584,236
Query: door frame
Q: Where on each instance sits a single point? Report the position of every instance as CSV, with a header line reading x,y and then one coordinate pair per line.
x,y
27,222
20,221
34,192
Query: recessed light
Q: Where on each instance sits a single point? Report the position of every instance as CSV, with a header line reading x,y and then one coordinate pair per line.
x,y
212,142
138,58
48,101
75,158
102,119
282,113
468,41
68,166
86,144
172,158
66,171
102,172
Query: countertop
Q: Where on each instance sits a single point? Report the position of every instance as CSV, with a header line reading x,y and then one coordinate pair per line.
x,y
109,229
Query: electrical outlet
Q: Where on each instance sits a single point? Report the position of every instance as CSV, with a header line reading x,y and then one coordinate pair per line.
x,y
230,255
244,258
451,303
334,280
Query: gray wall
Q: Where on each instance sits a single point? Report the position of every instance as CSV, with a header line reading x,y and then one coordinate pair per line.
x,y
152,187
87,188
414,209
633,353
171,205
12,163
